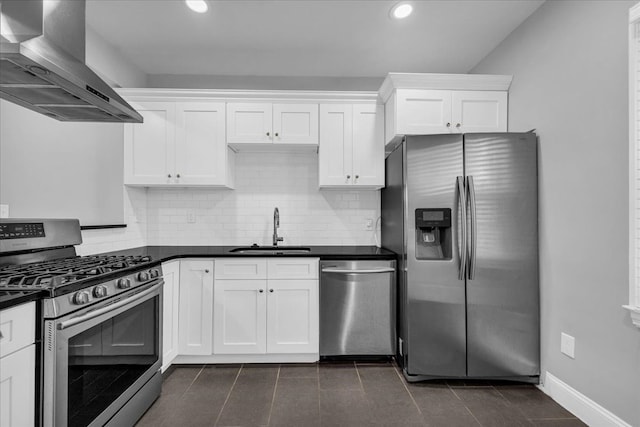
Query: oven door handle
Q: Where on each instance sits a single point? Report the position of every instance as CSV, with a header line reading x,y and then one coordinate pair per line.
x,y
100,311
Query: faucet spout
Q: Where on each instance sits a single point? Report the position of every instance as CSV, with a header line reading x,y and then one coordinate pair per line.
x,y
276,224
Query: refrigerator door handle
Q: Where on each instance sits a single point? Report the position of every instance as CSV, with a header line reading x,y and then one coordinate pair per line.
x,y
462,205
471,188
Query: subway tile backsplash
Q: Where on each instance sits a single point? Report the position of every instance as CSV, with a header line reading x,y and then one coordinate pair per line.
x,y
199,216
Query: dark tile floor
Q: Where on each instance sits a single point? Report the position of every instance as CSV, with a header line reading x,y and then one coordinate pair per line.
x,y
342,394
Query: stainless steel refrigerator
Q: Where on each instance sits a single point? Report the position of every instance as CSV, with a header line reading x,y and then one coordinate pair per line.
x,y
461,211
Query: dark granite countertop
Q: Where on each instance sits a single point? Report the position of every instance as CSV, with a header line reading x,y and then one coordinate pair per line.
x,y
166,253
161,254
13,298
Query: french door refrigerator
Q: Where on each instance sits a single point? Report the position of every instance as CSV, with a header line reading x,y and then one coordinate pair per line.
x,y
462,213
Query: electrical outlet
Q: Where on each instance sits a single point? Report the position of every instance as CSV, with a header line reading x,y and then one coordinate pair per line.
x,y
368,225
567,345
191,217
4,211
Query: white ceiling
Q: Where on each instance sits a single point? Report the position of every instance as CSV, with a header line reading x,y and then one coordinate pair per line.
x,y
343,38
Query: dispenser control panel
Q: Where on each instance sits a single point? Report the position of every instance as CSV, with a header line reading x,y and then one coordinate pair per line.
x,y
434,217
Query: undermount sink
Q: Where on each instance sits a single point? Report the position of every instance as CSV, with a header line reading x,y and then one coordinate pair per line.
x,y
278,250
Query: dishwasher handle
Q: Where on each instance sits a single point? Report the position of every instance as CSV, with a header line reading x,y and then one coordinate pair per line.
x,y
363,271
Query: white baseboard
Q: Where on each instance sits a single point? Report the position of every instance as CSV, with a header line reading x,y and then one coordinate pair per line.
x,y
579,404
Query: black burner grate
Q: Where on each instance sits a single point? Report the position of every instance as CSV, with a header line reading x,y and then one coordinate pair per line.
x,y
61,272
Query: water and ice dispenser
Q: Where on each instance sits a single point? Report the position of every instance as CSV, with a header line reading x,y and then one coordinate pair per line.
x,y
433,233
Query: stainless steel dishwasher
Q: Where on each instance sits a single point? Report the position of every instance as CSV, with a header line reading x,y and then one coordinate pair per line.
x,y
357,308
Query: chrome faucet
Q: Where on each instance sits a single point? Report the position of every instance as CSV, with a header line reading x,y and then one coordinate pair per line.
x,y
276,224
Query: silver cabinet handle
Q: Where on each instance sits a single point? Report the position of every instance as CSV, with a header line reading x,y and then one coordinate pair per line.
x,y
462,204
474,229
363,271
95,313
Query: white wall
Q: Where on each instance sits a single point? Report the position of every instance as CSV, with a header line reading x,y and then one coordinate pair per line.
x,y
110,64
264,82
569,62
58,169
243,216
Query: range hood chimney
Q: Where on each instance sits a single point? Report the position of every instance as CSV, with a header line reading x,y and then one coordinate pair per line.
x,y
42,64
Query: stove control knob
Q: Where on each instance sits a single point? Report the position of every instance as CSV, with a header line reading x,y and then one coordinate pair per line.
x,y
100,291
154,273
124,283
143,276
80,298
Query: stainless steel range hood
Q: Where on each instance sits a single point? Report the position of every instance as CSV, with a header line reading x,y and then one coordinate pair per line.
x,y
42,64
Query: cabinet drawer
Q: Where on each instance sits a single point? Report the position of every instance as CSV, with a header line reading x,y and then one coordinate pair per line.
x,y
17,328
241,268
292,268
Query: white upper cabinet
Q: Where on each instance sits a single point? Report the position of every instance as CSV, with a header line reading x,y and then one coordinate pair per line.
x,y
479,111
422,104
249,123
179,144
201,155
267,123
149,147
351,152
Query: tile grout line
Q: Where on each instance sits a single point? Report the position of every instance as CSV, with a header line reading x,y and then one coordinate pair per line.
x,y
404,384
193,381
358,374
228,395
465,405
273,397
318,388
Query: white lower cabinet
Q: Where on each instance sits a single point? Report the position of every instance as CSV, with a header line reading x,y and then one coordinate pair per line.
x,y
17,366
196,307
170,304
239,317
268,316
292,316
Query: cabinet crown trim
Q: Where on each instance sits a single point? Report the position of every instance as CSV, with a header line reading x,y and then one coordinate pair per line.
x,y
395,81
230,95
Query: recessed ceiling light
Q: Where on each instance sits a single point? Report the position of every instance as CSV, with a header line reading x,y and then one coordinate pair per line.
x,y
199,6
401,10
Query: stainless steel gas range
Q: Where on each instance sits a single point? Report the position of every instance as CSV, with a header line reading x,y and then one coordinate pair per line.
x,y
101,317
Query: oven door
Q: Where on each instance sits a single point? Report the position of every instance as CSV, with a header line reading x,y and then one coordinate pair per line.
x,y
97,359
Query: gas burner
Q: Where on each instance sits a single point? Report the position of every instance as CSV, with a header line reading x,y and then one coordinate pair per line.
x,y
61,272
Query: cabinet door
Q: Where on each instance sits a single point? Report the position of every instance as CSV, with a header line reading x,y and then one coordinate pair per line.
x,y
292,316
196,307
170,301
479,111
295,123
149,147
368,145
335,151
239,317
249,123
422,112
201,149
17,388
